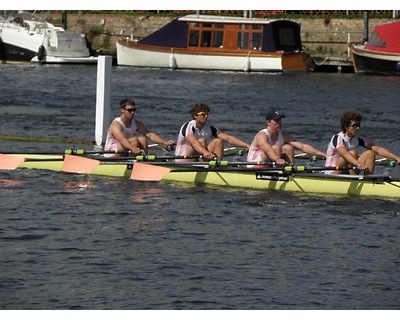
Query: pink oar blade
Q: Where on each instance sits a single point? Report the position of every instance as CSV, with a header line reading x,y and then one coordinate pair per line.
x,y
10,162
148,172
76,164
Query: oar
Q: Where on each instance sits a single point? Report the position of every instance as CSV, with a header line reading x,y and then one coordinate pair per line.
x,y
148,172
83,152
76,164
153,172
10,162
380,161
308,157
386,162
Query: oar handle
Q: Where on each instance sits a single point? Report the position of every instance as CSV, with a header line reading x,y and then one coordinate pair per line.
x,y
308,169
220,163
392,163
290,168
170,147
315,158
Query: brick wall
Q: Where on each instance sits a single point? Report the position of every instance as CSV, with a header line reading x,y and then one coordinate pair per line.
x,y
321,37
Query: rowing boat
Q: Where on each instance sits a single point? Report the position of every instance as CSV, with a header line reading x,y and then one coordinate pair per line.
x,y
306,181
317,183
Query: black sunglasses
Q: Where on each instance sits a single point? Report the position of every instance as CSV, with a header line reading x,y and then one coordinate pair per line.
x,y
131,110
354,125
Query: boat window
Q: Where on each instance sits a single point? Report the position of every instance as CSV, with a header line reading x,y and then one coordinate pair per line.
x,y
243,40
250,39
257,26
206,39
244,26
206,35
286,37
255,41
193,38
218,38
376,41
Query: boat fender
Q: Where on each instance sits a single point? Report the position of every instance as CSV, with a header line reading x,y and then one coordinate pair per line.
x,y
172,61
41,53
247,64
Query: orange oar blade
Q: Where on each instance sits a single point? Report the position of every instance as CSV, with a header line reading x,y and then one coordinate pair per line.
x,y
9,162
148,172
76,164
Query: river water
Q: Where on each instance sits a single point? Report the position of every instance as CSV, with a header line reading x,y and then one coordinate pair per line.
x,y
83,242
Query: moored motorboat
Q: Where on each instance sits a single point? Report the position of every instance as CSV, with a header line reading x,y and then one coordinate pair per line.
x,y
25,37
381,54
309,180
219,43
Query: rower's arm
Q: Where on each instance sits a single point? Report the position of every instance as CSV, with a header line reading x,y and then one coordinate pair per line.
x,y
118,133
307,148
233,140
346,154
196,145
151,135
384,153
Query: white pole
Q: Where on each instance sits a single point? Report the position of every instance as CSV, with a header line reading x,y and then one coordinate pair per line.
x,y
103,98
348,44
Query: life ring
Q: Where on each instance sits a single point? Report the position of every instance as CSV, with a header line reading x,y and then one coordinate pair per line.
x,y
41,53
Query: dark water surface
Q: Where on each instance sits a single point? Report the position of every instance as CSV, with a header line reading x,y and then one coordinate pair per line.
x,y
80,242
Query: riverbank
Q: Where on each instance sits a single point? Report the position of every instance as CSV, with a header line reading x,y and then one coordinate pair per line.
x,y
327,40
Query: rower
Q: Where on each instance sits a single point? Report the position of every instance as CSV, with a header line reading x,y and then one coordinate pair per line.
x,y
274,145
194,136
342,147
121,132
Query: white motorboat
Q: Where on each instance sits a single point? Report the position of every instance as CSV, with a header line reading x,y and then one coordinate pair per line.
x,y
25,37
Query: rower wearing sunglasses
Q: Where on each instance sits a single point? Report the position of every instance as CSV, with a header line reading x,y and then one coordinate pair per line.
x,y
342,147
120,135
194,136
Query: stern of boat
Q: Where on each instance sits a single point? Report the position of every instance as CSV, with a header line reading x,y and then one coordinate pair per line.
x,y
297,61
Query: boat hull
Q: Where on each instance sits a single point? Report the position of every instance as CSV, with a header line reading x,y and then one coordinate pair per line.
x,y
131,54
375,62
312,183
304,183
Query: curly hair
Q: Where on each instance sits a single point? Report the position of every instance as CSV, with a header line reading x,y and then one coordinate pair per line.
x,y
199,107
346,117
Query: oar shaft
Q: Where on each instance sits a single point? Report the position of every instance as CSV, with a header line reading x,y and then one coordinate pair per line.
x,y
78,152
221,164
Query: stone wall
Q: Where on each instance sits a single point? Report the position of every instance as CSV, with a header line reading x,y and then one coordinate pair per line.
x,y
321,37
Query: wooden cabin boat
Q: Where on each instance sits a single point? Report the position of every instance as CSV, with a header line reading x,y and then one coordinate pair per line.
x,y
381,55
219,43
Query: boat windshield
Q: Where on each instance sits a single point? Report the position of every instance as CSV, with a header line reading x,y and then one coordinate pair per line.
x,y
376,41
24,19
